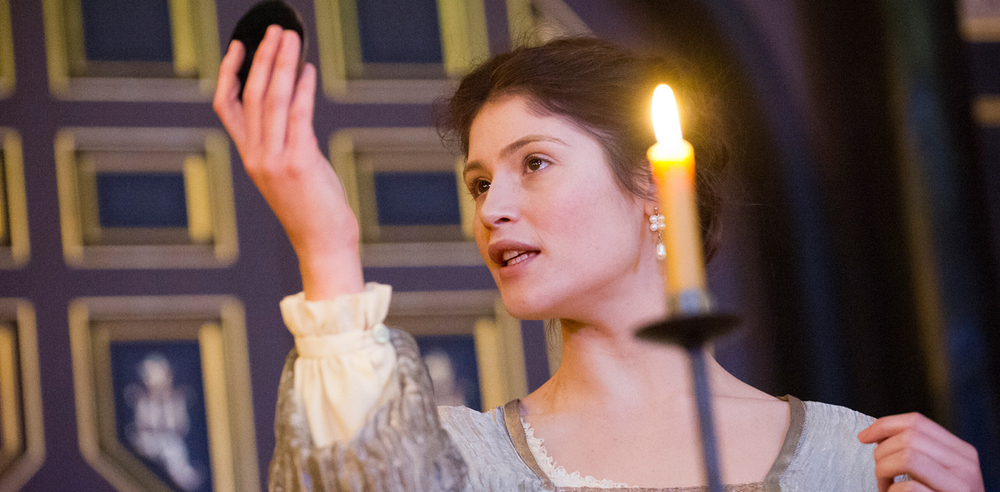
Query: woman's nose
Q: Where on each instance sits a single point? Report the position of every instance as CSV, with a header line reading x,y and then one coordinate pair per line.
x,y
500,204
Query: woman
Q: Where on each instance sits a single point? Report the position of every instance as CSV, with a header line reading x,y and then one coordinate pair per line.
x,y
556,165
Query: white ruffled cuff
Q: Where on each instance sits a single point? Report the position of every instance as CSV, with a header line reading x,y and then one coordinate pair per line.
x,y
349,312
346,367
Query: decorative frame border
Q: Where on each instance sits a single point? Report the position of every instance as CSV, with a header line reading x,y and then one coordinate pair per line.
x,y
225,372
497,334
533,22
358,180
7,76
208,186
463,44
21,402
195,37
14,198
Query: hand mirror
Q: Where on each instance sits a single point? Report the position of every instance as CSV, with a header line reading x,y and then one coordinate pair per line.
x,y
252,26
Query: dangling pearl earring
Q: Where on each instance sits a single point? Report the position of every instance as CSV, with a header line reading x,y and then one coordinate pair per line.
x,y
656,225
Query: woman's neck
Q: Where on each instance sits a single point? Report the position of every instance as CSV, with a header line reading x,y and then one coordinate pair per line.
x,y
605,367
614,368
604,364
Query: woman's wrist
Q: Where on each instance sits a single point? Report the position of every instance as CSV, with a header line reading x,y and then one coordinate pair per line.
x,y
330,275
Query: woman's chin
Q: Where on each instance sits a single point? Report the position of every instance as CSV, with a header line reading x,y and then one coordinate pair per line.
x,y
521,308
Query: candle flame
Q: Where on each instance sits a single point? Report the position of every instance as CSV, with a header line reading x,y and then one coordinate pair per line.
x,y
666,119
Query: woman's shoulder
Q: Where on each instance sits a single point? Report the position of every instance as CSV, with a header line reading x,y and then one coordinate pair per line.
x,y
833,428
834,420
827,454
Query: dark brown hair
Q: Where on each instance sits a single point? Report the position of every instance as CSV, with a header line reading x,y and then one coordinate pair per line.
x,y
606,91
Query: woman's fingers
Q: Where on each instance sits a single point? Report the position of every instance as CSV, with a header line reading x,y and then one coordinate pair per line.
x,y
257,86
226,101
893,425
279,93
915,439
921,466
300,123
917,446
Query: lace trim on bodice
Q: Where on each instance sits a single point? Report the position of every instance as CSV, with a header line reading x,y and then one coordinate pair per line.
x,y
557,474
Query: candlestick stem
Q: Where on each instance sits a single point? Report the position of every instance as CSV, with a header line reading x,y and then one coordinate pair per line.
x,y
703,395
692,328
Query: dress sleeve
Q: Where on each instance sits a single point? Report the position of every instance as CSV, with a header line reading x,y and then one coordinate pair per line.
x,y
345,367
390,439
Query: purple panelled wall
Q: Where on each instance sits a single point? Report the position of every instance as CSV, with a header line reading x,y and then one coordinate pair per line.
x,y
265,271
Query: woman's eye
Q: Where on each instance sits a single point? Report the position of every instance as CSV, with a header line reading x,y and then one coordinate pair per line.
x,y
535,163
479,187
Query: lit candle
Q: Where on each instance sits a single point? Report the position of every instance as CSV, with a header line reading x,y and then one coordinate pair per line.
x,y
672,160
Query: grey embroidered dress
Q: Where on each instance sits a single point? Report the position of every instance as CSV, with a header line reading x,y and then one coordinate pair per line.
x,y
408,444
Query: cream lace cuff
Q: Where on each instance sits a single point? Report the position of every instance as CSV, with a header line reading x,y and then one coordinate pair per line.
x,y
346,366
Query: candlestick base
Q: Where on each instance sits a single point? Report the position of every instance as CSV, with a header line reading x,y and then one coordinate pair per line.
x,y
689,330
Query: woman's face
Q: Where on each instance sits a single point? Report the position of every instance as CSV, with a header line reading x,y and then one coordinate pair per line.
x,y
556,231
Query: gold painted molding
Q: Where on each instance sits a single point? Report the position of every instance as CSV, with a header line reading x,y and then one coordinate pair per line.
x,y
20,389
14,198
464,41
533,22
466,204
500,354
7,73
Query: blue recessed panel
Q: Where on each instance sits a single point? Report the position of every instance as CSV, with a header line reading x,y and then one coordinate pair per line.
x,y
141,200
399,31
160,409
451,361
417,199
127,30
984,65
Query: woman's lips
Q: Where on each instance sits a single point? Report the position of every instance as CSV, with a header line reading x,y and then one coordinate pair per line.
x,y
506,252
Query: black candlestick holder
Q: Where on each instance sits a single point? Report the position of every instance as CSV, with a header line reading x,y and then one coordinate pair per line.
x,y
692,328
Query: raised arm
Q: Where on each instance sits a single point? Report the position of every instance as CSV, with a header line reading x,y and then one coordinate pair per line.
x,y
274,134
355,406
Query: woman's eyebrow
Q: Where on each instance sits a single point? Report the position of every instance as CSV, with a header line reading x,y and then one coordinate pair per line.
x,y
525,140
471,166
512,147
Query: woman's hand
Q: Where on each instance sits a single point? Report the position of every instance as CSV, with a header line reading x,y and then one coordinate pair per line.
x,y
273,131
935,459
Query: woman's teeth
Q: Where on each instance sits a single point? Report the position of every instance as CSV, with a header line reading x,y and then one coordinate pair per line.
x,y
507,255
515,257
